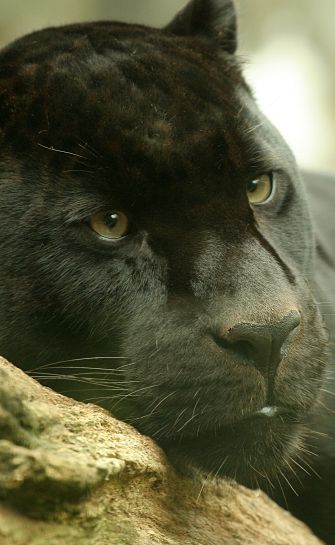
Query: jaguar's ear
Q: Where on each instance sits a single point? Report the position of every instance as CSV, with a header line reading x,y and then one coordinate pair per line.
x,y
213,18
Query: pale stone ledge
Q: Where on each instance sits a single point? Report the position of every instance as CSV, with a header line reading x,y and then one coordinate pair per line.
x,y
70,474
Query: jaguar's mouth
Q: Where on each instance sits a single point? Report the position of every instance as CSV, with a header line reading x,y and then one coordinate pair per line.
x,y
255,447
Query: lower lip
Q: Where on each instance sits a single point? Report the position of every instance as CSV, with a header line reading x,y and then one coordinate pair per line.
x,y
267,416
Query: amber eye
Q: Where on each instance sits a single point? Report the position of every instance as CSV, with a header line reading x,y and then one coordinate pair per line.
x,y
260,190
111,224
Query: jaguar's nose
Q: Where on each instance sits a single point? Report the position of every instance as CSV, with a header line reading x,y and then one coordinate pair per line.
x,y
263,345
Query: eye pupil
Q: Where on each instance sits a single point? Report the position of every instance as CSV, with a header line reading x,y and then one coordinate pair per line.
x,y
252,186
111,220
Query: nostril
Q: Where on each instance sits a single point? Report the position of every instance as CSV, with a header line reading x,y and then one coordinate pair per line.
x,y
243,349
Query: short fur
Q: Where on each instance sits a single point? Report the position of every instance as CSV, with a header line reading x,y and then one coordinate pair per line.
x,y
161,125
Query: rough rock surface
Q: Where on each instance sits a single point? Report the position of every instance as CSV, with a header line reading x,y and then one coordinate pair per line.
x,y
71,474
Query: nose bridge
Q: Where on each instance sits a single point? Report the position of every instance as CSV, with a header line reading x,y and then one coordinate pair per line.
x,y
247,273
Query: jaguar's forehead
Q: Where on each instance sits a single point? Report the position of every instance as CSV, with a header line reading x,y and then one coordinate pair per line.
x,y
116,84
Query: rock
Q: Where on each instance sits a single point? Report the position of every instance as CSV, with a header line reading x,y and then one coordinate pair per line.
x,y
71,474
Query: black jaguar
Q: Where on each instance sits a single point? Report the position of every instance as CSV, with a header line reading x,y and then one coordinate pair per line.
x,y
155,225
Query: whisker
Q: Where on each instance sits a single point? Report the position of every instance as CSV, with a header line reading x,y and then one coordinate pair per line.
x,y
51,148
203,485
95,389
79,170
220,466
85,359
96,371
299,465
288,482
178,418
187,422
311,468
158,432
327,391
87,147
132,394
160,402
69,378
282,491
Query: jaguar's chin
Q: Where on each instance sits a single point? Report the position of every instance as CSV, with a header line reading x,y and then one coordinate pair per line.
x,y
252,451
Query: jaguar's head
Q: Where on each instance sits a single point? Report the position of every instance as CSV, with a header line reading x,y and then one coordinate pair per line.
x,y
151,215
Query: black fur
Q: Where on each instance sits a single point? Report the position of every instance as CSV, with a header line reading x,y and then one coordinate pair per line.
x,y
161,125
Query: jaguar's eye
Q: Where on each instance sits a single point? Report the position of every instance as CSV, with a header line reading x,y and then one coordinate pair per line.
x,y
111,224
261,189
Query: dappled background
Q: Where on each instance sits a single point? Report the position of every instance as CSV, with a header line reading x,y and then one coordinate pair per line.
x,y
288,47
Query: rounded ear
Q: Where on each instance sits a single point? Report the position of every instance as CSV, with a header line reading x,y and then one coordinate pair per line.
x,y
215,19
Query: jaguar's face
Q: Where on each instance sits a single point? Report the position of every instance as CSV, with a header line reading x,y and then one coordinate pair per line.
x,y
151,214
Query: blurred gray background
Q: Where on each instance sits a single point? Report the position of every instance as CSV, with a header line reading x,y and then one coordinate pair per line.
x,y
287,46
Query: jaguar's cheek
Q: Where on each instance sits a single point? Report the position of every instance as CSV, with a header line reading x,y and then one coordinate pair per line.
x,y
300,375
